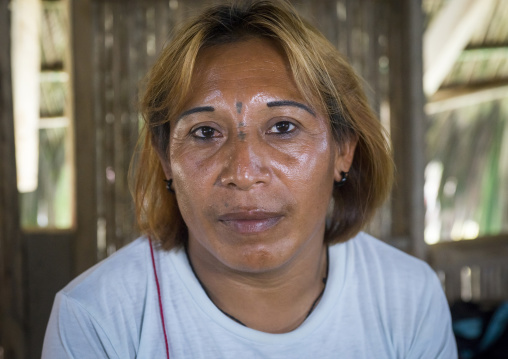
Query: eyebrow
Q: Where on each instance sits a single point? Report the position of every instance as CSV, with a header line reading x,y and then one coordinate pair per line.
x,y
291,103
196,109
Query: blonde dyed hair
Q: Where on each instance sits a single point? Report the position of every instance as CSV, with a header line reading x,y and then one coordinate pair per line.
x,y
322,75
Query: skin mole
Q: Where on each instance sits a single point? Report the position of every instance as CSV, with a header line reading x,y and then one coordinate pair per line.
x,y
239,107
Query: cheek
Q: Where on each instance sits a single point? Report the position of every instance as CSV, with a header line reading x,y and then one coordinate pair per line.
x,y
189,180
309,163
189,164
309,178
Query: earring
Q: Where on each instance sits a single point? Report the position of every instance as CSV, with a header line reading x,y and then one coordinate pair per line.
x,y
343,180
169,183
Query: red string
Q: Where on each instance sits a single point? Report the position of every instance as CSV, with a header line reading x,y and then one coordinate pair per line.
x,y
160,298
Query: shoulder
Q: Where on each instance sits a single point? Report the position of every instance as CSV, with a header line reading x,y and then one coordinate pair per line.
x,y
100,313
392,279
402,292
120,275
380,257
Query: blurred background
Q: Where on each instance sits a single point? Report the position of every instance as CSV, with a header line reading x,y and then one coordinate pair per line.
x,y
435,71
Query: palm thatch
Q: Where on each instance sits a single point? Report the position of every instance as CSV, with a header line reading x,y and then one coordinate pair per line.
x,y
468,144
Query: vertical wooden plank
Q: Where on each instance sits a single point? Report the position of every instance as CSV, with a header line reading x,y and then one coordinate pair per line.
x,y
375,72
348,28
123,215
130,134
382,29
140,44
84,134
123,219
322,14
354,35
177,12
99,90
370,66
151,31
407,124
135,73
114,171
12,276
70,155
333,18
163,23
106,124
342,34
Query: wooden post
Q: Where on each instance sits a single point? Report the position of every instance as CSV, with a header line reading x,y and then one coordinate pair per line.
x,y
26,63
85,246
407,125
12,291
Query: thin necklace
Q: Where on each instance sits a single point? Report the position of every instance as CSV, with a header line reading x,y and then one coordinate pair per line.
x,y
325,278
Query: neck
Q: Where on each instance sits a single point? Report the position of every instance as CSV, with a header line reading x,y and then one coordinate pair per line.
x,y
277,301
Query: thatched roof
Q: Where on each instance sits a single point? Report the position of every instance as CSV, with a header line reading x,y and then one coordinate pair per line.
x,y
467,136
54,47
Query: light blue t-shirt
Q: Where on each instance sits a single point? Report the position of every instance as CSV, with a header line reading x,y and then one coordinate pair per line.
x,y
378,303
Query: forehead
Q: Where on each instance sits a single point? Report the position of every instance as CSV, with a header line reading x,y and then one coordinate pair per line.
x,y
250,65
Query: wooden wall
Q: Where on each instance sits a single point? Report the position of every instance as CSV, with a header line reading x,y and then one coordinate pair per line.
x,y
12,277
128,35
474,270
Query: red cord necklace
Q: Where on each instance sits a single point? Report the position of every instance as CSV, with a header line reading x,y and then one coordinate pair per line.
x,y
160,298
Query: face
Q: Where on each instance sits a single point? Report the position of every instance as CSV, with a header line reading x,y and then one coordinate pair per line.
x,y
253,164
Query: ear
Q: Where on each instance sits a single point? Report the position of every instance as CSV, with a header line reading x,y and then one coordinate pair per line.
x,y
344,155
164,160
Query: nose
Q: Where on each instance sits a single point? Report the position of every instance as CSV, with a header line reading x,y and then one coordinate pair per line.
x,y
245,166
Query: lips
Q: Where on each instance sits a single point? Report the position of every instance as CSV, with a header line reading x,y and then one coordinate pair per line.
x,y
251,221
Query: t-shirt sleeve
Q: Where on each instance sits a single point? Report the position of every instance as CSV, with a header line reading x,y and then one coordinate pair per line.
x,y
72,332
434,336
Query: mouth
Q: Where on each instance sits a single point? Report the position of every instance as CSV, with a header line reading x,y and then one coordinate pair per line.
x,y
250,222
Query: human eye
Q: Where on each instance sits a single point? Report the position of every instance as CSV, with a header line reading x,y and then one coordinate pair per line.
x,y
282,128
205,133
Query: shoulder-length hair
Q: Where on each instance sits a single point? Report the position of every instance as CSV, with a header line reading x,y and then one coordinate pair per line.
x,y
322,75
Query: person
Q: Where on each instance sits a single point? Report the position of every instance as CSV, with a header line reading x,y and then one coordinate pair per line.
x,y
252,247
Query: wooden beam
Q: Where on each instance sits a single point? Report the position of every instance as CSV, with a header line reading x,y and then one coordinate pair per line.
x,y
407,125
26,63
53,122
486,255
85,246
448,35
491,48
12,276
456,98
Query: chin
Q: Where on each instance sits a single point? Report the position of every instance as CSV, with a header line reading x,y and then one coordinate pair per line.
x,y
259,257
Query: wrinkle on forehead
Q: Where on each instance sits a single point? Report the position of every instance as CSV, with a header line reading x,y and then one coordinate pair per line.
x,y
211,69
255,76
